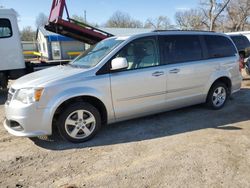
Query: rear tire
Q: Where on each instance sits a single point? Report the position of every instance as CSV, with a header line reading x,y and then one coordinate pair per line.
x,y
3,81
79,122
217,96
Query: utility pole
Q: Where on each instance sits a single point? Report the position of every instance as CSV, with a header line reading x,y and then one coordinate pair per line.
x,y
85,16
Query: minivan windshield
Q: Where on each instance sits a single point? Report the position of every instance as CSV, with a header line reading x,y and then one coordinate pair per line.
x,y
96,53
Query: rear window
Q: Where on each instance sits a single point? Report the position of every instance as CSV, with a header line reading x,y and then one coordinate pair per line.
x,y
219,46
180,48
5,28
241,42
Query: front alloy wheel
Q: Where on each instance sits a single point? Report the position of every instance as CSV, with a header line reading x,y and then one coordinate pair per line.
x,y
79,122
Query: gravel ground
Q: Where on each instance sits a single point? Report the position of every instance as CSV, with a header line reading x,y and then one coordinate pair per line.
x,y
191,147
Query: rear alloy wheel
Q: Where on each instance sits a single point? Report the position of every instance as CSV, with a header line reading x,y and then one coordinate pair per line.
x,y
79,122
217,96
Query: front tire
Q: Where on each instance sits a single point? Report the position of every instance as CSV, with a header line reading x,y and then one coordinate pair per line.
x,y
79,122
217,96
3,81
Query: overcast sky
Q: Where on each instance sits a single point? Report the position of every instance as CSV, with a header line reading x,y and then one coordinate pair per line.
x,y
98,11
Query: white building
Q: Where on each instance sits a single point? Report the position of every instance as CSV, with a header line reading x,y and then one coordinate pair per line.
x,y
53,46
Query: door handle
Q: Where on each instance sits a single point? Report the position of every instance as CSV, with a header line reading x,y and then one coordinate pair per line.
x,y
174,71
158,73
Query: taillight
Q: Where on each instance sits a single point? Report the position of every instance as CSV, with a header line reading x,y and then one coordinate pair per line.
x,y
241,63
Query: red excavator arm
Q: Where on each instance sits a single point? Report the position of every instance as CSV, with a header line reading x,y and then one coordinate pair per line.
x,y
72,28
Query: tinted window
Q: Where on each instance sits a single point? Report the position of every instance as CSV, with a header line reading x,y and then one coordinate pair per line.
x,y
141,53
180,48
219,46
241,42
5,28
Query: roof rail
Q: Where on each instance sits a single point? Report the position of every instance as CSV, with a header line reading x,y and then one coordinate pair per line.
x,y
183,30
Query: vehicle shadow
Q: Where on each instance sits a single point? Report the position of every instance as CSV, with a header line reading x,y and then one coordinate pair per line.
x,y
3,96
165,124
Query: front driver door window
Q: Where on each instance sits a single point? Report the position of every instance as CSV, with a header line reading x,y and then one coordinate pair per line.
x,y
141,53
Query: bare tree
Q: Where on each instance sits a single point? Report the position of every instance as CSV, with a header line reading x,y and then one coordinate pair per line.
x,y
212,9
190,19
78,18
161,23
41,20
28,34
238,13
82,20
123,20
222,23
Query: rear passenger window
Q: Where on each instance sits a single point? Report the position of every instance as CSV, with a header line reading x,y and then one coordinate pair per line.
x,y
180,48
5,28
219,46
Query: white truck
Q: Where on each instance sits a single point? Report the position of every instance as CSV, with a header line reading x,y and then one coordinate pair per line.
x,y
12,64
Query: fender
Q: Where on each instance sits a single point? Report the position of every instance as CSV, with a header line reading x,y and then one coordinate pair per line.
x,y
70,93
215,76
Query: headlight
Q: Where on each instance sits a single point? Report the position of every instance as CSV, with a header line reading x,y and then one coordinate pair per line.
x,y
28,95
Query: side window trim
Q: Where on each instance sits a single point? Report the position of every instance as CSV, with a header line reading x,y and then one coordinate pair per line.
x,y
9,26
161,51
204,47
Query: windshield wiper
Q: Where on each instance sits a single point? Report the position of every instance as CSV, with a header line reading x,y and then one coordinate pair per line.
x,y
72,65
78,66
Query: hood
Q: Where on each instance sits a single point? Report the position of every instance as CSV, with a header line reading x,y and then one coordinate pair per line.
x,y
43,77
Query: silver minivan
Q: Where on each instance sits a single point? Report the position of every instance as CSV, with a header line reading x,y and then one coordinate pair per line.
x,y
122,78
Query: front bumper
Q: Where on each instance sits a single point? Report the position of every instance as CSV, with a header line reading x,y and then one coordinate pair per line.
x,y
32,120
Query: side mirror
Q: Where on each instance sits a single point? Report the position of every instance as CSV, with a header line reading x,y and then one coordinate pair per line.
x,y
119,63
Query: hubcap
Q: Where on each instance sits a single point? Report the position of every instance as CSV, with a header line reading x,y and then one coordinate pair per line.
x,y
80,124
219,96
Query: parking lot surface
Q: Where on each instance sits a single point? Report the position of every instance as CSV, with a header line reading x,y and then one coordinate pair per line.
x,y
190,147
